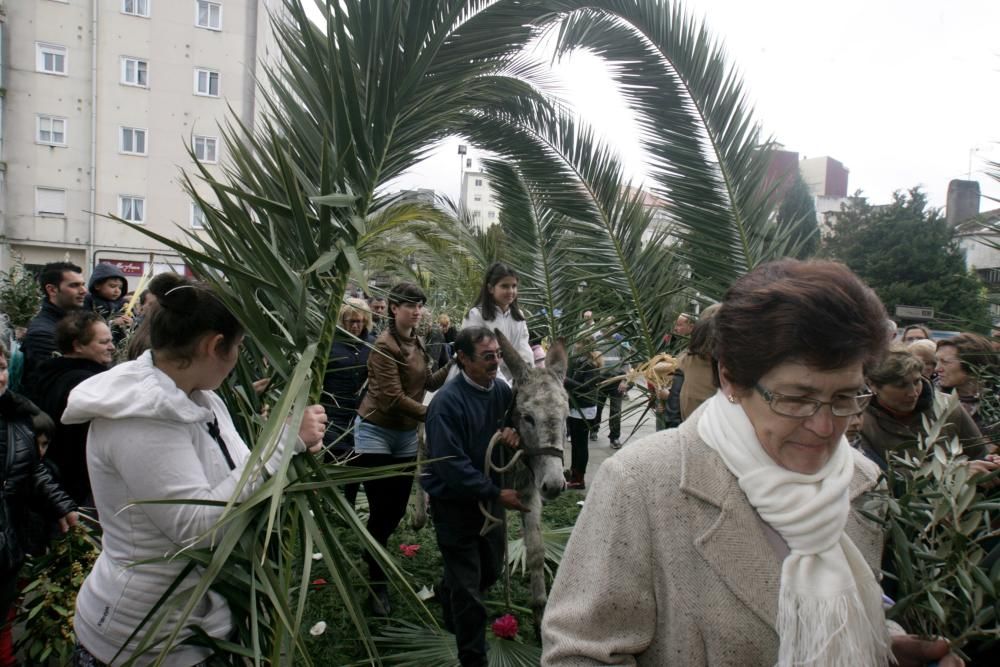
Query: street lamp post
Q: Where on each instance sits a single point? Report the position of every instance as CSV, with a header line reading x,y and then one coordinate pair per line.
x,y
461,168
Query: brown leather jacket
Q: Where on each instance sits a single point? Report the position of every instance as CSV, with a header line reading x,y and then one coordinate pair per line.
x,y
398,375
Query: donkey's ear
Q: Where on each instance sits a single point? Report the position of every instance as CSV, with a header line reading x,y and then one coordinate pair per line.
x,y
556,360
515,364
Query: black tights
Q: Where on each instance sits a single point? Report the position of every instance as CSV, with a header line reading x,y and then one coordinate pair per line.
x,y
387,499
579,432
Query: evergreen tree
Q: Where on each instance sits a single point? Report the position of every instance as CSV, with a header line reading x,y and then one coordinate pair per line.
x,y
798,209
909,255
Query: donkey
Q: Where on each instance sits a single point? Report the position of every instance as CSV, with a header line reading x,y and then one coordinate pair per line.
x,y
539,413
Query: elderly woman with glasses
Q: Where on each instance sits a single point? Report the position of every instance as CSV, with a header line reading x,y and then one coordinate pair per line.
x,y
735,539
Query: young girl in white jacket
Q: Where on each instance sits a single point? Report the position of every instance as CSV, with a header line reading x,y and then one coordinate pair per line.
x,y
158,431
497,308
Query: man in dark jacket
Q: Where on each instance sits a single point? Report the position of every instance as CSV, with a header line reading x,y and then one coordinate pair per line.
x,y
63,289
461,421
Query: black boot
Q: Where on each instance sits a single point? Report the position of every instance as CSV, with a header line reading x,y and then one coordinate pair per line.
x,y
379,601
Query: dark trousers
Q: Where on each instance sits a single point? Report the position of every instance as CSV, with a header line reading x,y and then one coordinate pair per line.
x,y
472,563
579,433
614,400
387,499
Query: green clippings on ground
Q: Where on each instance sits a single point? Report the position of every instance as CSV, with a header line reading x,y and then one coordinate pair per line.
x,y
338,645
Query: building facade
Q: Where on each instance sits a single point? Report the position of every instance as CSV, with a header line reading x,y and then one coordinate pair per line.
x,y
102,101
825,176
477,199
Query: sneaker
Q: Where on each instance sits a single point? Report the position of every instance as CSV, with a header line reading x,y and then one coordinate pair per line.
x,y
616,443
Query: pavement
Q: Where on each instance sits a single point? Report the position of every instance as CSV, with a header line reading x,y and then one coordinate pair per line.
x,y
635,425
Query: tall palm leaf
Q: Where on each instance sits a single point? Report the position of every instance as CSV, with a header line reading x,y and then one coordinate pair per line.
x,y
707,158
351,105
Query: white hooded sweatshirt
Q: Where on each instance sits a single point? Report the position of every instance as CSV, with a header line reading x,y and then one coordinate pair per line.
x,y
148,440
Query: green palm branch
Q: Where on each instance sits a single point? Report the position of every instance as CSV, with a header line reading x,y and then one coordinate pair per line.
x,y
302,207
707,158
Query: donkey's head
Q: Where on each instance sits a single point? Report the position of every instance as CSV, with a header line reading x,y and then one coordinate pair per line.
x,y
540,412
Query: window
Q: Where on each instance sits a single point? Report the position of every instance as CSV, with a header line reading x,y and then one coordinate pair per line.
x,y
136,7
197,216
135,72
132,208
206,148
206,82
491,215
50,202
208,15
477,198
479,181
133,141
50,58
51,131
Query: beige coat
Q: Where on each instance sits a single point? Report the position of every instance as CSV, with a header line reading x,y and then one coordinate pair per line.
x,y
670,565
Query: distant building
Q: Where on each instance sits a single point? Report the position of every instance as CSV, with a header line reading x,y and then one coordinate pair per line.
x,y
977,235
781,172
825,176
100,102
477,199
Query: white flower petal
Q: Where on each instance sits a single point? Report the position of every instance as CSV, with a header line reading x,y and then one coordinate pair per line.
x,y
318,629
318,556
579,503
425,593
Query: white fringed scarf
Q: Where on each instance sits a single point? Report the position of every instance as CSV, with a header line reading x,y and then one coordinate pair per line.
x,y
830,604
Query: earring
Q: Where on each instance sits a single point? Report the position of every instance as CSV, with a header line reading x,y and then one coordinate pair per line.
x,y
732,399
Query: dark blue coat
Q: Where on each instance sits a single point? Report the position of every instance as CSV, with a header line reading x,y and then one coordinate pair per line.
x,y
346,375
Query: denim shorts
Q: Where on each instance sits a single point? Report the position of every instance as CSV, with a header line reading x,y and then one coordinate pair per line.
x,y
370,438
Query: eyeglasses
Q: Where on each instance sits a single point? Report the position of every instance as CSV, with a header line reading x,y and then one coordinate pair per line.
x,y
489,356
802,407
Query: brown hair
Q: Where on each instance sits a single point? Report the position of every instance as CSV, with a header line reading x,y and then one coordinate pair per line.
x,y
899,363
815,312
975,352
187,311
76,327
919,327
702,340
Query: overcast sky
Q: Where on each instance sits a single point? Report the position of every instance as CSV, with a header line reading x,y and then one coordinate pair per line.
x,y
901,91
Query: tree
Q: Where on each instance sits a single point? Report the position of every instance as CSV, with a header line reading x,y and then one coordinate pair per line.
x,y
909,255
360,99
798,212
19,295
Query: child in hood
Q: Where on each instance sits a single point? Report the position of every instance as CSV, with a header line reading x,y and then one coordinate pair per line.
x,y
106,296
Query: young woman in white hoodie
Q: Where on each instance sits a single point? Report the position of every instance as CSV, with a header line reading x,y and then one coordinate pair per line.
x,y
497,308
159,431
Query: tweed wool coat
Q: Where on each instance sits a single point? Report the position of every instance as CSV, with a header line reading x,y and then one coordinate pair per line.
x,y
669,564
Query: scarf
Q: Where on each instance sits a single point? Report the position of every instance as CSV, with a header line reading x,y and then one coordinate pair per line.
x,y
829,603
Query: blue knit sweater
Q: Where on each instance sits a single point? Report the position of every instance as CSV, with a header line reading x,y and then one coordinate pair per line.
x,y
461,420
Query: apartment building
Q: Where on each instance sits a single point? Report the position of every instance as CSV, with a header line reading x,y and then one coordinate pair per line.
x,y
477,198
101,101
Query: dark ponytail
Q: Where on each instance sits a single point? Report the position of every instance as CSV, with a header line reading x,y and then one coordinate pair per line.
x,y
186,311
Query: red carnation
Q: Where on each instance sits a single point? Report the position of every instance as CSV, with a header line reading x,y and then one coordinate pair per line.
x,y
319,582
505,627
409,550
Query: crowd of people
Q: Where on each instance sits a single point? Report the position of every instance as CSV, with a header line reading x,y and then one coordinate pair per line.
x,y
748,490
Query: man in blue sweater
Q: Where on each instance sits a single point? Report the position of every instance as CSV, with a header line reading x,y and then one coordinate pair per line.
x,y
461,421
